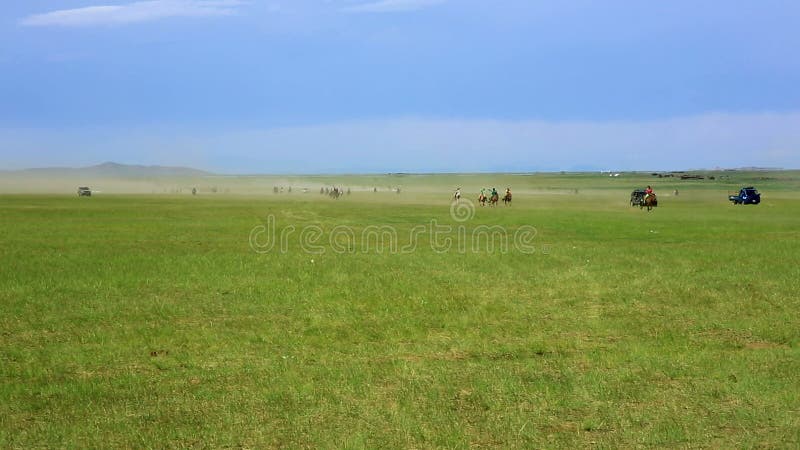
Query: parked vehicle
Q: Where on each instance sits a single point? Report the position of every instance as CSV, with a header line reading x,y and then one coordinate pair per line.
x,y
84,191
746,196
637,197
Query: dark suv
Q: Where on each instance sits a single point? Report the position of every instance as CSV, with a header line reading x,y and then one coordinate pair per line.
x,y
84,191
746,196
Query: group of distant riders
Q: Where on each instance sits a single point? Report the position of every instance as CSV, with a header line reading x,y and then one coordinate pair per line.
x,y
640,198
492,198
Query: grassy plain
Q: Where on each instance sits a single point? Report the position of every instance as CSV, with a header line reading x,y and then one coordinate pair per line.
x,y
149,321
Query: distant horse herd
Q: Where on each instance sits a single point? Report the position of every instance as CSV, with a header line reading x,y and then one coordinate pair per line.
x,y
334,192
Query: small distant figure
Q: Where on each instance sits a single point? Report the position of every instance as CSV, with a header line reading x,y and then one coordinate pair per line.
x,y
649,200
494,198
676,192
507,197
335,192
457,195
374,189
290,189
398,190
348,191
194,191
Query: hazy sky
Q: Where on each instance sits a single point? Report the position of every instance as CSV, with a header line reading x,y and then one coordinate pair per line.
x,y
400,85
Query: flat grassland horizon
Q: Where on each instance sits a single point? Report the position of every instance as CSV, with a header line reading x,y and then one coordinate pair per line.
x,y
66,182
129,319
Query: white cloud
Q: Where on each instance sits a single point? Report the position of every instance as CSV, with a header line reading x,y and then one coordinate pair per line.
x,y
383,6
132,12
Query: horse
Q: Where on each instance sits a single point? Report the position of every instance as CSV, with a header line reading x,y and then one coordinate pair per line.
x,y
456,196
651,201
507,199
482,199
493,199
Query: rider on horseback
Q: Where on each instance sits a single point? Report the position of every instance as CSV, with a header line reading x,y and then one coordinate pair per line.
x,y
648,192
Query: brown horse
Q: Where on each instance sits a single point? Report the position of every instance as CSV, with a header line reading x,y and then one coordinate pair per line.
x,y
482,200
651,201
507,199
493,199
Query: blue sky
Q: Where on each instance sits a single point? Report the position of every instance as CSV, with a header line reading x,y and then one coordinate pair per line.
x,y
400,85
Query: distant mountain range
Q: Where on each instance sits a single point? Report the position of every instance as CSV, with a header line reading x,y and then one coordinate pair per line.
x,y
114,170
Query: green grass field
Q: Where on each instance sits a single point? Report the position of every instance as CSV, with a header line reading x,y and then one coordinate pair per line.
x,y
149,321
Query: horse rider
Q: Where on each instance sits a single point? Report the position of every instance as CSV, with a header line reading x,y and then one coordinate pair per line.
x,y
494,192
457,195
508,192
648,192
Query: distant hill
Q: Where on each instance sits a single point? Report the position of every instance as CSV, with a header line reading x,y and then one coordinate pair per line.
x,y
115,170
